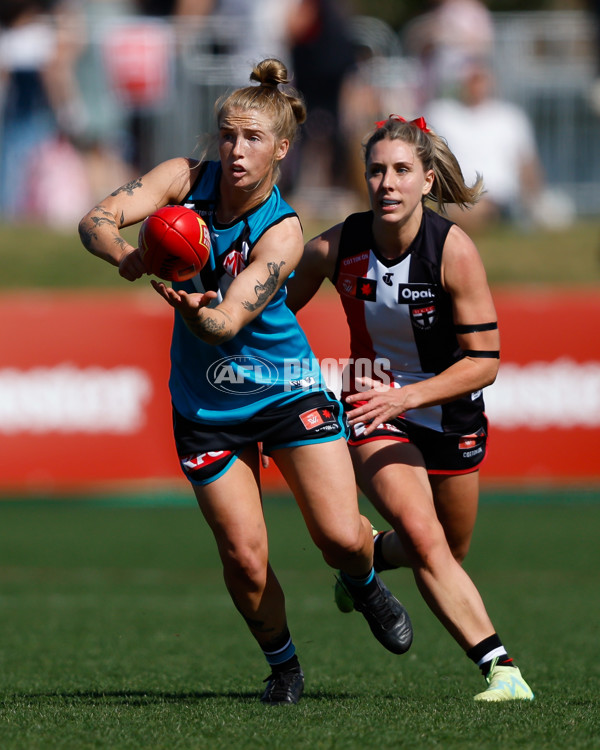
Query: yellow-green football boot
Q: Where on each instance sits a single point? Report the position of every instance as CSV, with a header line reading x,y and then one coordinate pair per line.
x,y
505,684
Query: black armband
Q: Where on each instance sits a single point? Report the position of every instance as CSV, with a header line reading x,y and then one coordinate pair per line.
x,y
482,353
476,327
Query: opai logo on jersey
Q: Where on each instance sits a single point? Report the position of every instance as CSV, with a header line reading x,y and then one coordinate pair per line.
x,y
421,298
415,293
241,374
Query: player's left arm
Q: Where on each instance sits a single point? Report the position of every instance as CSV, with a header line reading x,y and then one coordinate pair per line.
x,y
474,314
476,326
273,259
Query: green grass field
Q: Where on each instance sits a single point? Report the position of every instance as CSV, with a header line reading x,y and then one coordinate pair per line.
x,y
117,632
33,256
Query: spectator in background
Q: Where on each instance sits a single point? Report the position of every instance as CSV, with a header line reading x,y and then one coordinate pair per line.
x,y
322,55
250,30
451,32
495,138
41,113
593,7
174,8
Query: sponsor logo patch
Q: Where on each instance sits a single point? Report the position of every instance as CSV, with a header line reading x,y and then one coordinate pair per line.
x,y
201,460
357,286
317,418
415,293
422,301
361,257
366,289
234,263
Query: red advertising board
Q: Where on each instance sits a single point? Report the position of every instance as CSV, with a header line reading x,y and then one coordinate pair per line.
x,y
84,401
83,391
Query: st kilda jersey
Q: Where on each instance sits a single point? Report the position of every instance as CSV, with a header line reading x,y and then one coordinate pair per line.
x,y
400,317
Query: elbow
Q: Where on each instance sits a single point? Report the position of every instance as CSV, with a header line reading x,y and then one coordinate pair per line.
x,y
491,372
292,301
212,330
216,339
486,370
85,231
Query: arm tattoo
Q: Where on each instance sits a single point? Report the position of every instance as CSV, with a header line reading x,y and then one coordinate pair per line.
x,y
266,289
86,236
129,187
98,221
88,233
120,242
207,327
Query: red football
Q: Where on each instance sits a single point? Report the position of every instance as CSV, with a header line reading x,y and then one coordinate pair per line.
x,y
174,242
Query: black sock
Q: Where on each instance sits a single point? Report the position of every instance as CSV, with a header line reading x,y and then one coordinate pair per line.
x,y
280,653
361,588
379,561
484,652
291,665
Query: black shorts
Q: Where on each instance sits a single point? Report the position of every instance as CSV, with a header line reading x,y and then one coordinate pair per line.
x,y
206,451
444,453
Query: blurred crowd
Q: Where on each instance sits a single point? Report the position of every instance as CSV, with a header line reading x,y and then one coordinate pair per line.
x,y
62,146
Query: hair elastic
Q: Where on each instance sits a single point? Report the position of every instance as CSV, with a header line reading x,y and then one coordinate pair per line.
x,y
418,121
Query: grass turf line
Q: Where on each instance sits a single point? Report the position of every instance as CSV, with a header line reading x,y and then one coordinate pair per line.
x,y
118,633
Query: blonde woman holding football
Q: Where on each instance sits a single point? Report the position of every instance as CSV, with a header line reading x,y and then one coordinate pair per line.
x,y
242,372
420,313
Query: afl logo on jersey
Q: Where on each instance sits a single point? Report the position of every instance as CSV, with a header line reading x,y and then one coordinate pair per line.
x,y
233,263
422,301
242,374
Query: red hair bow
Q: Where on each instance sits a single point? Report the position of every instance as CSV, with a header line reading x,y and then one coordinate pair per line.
x,y
418,121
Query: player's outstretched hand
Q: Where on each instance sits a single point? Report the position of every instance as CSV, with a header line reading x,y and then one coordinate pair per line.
x,y
187,304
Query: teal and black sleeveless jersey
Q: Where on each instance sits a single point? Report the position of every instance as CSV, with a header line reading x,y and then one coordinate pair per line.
x,y
269,362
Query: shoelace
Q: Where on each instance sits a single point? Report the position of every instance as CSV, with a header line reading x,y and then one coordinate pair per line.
x,y
281,683
488,678
378,607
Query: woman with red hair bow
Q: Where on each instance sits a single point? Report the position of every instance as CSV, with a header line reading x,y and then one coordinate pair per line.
x,y
424,343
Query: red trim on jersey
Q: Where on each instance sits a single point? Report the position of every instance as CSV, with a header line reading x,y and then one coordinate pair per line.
x,y
202,460
453,472
372,438
350,269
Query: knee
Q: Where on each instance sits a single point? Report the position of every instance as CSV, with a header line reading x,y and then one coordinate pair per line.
x,y
245,567
460,550
425,543
459,541
339,548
